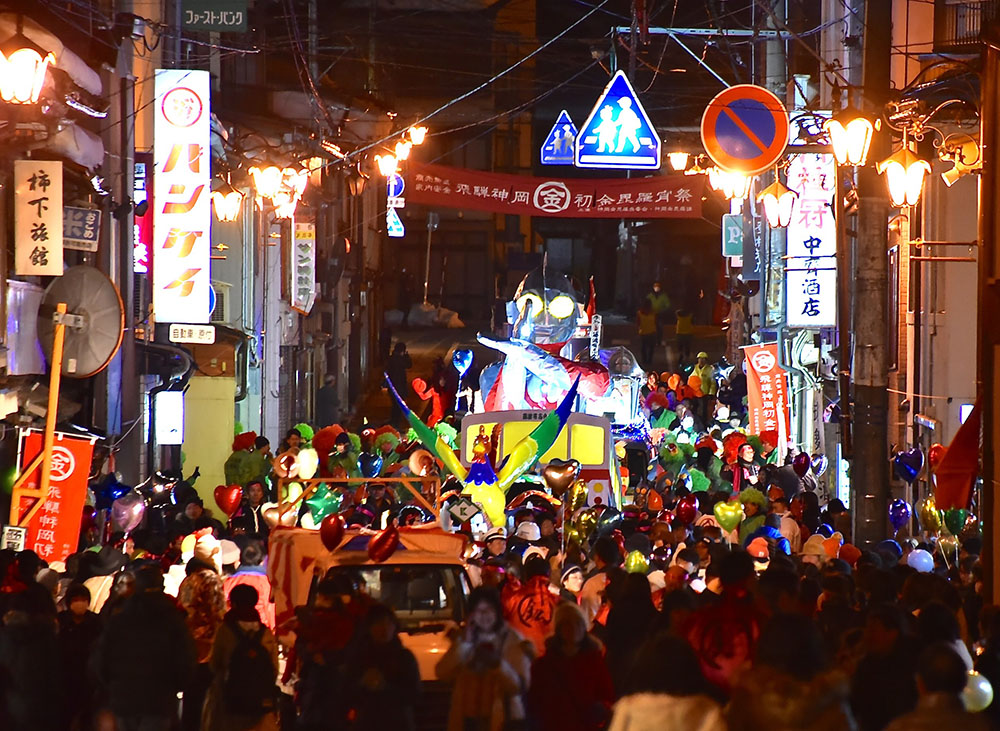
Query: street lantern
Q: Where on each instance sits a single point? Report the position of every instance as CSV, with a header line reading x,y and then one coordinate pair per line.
x,y
678,160
777,200
387,164
227,202
904,173
266,181
733,185
417,135
285,204
850,135
23,65
403,149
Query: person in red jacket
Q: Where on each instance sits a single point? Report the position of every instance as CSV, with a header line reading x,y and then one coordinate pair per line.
x,y
571,687
530,607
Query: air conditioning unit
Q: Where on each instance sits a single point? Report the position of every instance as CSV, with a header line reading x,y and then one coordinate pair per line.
x,y
221,313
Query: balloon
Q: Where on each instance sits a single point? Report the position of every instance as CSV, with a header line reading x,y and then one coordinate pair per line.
x,y
331,531
110,491
308,463
977,693
88,518
586,523
954,520
270,513
687,509
577,496
462,360
636,563
935,454
559,475
819,464
293,492
899,513
491,500
384,543
322,503
824,530
369,464
127,512
228,498
930,516
610,517
654,501
920,560
729,514
949,545
421,463
801,463
286,465
907,465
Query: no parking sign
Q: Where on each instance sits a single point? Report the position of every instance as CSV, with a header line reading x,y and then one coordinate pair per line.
x,y
745,129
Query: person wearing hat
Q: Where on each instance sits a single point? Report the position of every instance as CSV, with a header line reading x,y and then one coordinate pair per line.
x,y
526,534
813,550
194,517
571,583
754,511
529,607
705,372
761,554
495,543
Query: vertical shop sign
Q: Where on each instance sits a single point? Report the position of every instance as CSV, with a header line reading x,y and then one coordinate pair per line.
x,y
182,192
54,531
303,290
38,218
767,390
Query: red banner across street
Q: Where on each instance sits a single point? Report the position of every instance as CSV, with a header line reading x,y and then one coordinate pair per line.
x,y
658,196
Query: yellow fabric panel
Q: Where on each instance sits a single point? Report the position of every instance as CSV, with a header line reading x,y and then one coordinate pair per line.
x,y
589,444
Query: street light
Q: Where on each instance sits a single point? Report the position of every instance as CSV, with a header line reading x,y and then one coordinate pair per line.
x,y
227,202
266,181
850,135
733,185
417,135
777,200
904,173
387,164
678,160
403,149
22,68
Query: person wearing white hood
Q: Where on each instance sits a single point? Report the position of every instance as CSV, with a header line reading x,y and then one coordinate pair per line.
x,y
666,690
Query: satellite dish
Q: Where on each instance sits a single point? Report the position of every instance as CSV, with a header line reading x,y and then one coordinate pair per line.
x,y
95,320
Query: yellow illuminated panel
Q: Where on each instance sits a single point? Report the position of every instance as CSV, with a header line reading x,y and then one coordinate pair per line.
x,y
515,431
469,438
589,444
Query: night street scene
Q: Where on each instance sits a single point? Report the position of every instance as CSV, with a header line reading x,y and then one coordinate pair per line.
x,y
499,365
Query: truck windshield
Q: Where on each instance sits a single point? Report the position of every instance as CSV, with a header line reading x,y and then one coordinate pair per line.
x,y
419,594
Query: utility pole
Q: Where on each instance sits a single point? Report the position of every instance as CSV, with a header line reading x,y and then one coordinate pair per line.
x,y
989,304
870,468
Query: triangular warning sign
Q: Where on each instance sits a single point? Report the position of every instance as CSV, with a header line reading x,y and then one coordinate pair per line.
x,y
393,224
618,133
559,145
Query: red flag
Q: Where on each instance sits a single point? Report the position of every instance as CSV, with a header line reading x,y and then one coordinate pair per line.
x,y
591,302
960,465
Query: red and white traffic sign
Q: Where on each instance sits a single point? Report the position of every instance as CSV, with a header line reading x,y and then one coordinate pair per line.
x,y
745,129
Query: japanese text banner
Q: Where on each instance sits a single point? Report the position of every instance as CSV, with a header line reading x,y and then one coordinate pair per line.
x,y
659,196
767,391
54,530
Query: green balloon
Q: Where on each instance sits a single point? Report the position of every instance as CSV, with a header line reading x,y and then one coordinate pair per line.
x,y
954,518
322,503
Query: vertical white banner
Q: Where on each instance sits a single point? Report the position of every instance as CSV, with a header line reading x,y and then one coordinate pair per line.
x,y
182,194
38,218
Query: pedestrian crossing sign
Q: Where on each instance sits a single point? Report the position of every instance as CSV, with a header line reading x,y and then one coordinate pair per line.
x,y
618,133
394,224
559,145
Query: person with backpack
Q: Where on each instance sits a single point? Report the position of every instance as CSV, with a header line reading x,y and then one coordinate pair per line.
x,y
244,663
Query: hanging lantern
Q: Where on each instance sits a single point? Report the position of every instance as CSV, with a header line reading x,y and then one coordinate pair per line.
x,y
295,181
227,202
850,135
403,149
284,205
904,174
23,65
417,135
678,160
734,186
266,181
777,200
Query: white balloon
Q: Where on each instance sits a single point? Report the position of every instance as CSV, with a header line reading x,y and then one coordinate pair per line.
x,y
920,560
978,692
308,463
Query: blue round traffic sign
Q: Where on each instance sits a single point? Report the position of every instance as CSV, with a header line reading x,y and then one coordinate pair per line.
x,y
395,185
745,129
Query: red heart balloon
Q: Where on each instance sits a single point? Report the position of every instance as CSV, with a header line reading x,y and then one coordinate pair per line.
x,y
687,509
384,543
331,531
935,454
228,498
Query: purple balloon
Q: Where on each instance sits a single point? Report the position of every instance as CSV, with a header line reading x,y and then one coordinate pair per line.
x,y
899,513
127,512
907,465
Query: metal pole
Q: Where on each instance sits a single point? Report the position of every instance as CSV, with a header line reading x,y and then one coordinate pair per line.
x,y
843,317
432,224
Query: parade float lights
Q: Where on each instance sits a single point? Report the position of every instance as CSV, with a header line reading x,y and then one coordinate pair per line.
x,y
23,67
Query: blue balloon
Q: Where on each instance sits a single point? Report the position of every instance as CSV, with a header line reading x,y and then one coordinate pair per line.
x,y
369,464
824,530
462,360
109,491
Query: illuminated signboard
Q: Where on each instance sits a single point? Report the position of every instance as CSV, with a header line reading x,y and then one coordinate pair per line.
x,y
182,193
